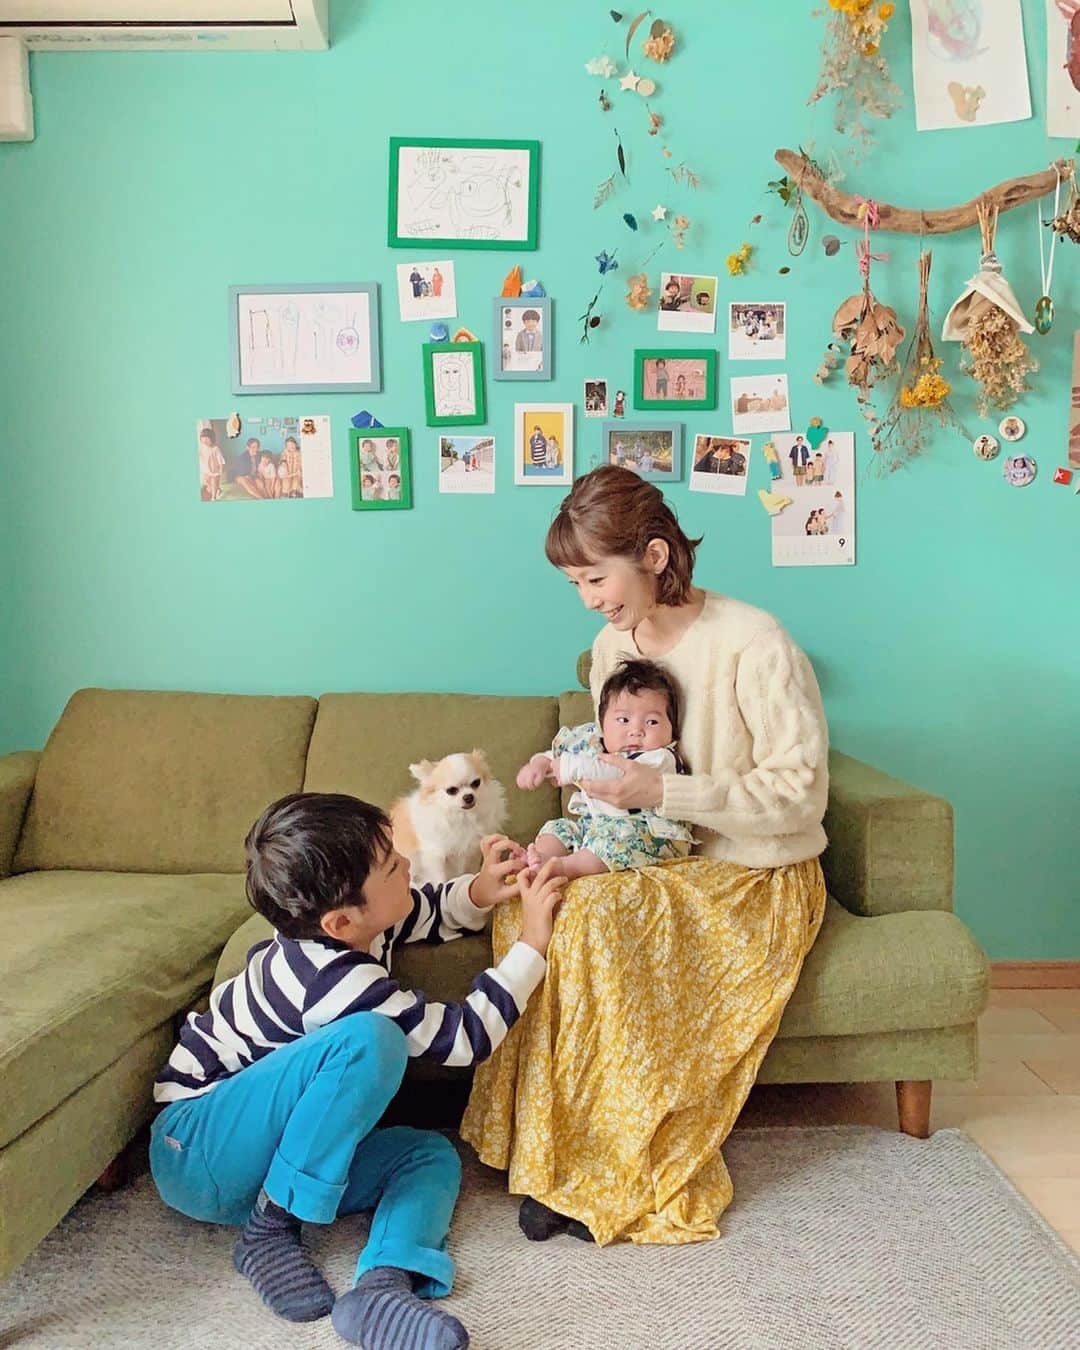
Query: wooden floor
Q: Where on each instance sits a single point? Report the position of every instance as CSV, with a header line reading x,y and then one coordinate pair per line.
x,y
1024,1111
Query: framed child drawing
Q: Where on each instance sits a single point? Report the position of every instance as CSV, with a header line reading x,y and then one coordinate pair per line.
x,y
454,383
380,464
464,193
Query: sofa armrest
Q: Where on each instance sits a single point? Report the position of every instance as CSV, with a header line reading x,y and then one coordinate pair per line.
x,y
890,844
17,773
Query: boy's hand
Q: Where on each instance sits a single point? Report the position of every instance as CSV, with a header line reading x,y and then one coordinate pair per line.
x,y
541,895
502,858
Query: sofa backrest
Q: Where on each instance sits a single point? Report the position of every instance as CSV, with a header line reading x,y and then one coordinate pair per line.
x,y
138,781
363,744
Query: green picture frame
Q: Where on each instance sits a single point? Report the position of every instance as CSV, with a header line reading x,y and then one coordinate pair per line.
x,y
692,368
447,191
372,470
454,384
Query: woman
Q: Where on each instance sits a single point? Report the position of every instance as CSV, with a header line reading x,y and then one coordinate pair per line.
x,y
610,1100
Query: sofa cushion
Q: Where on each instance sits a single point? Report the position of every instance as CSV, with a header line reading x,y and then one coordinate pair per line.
x,y
364,743
895,972
136,781
94,961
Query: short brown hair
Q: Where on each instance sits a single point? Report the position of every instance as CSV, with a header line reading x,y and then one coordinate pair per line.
x,y
633,675
613,513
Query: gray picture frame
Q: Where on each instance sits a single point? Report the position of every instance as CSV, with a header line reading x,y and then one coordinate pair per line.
x,y
543,307
628,427
368,334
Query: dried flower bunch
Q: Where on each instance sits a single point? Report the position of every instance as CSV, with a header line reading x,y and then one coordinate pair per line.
x,y
736,262
853,68
873,332
638,292
660,43
921,403
987,320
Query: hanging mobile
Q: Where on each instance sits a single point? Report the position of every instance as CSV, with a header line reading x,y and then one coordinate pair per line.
x,y
1044,307
799,231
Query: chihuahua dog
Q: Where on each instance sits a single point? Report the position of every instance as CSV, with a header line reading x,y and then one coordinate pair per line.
x,y
439,826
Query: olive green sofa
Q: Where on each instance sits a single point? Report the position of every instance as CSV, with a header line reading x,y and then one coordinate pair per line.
x,y
121,884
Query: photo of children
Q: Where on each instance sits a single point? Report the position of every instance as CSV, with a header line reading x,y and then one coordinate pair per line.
x,y
522,337
819,527
596,398
757,332
272,458
466,464
687,304
760,403
650,450
382,474
426,290
543,443
674,379
719,465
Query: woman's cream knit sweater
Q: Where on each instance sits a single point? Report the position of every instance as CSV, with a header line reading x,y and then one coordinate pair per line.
x,y
753,735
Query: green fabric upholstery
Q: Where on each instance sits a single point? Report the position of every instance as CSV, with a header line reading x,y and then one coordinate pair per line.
x,y
45,1170
364,743
890,844
93,961
16,783
883,1057
135,781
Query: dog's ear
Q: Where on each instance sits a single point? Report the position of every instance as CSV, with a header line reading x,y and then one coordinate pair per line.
x,y
481,759
421,769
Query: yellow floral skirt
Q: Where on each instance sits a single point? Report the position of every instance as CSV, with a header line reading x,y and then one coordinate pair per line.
x,y
612,1095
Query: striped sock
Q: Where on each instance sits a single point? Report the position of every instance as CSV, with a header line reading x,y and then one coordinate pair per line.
x,y
382,1313
269,1254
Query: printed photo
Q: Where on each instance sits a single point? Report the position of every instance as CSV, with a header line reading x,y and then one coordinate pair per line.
x,y
268,459
426,290
466,464
818,528
760,403
651,449
596,398
757,332
681,378
687,304
381,468
720,465
543,443
522,337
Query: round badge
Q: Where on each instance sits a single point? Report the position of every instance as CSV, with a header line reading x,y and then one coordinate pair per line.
x,y
1019,470
1012,428
986,447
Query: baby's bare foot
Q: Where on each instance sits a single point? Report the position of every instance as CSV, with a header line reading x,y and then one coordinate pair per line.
x,y
533,857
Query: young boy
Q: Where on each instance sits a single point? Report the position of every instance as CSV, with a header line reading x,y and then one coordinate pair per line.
x,y
272,1095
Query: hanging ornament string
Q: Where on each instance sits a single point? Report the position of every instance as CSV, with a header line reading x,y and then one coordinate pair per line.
x,y
1044,308
869,215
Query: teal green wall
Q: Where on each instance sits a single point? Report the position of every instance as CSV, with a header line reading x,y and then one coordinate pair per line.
x,y
948,655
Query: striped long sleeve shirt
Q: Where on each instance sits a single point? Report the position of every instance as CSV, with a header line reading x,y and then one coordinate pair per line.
x,y
292,986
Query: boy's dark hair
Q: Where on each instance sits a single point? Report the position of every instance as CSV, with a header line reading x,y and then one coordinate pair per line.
x,y
633,676
309,853
530,314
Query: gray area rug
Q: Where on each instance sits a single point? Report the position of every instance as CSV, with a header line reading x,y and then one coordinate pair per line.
x,y
838,1237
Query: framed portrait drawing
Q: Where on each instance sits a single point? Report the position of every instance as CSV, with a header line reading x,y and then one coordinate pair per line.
x,y
454,383
523,338
651,449
674,378
380,465
463,193
305,338
543,444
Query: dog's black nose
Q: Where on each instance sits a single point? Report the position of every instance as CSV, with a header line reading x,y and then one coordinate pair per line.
x,y
468,799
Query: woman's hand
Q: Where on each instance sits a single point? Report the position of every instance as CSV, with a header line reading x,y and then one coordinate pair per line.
x,y
640,785
502,859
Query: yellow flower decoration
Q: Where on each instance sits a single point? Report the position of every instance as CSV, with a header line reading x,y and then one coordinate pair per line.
x,y
736,262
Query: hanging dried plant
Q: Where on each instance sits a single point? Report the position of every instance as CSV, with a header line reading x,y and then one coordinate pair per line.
x,y
682,173
660,43
604,191
987,320
853,68
920,406
873,332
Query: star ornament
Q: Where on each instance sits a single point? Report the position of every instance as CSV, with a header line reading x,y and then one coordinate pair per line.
x,y
659,212
629,82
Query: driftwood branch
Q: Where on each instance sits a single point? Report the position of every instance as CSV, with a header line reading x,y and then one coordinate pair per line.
x,y
844,208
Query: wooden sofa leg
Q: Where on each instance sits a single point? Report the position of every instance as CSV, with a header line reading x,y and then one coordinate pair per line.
x,y
115,1175
913,1106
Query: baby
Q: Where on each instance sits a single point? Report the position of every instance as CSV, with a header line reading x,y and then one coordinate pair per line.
x,y
639,719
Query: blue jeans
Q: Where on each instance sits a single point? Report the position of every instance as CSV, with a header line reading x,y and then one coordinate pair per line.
x,y
299,1123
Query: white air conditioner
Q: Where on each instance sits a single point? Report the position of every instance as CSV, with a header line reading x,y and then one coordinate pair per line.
x,y
167,25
